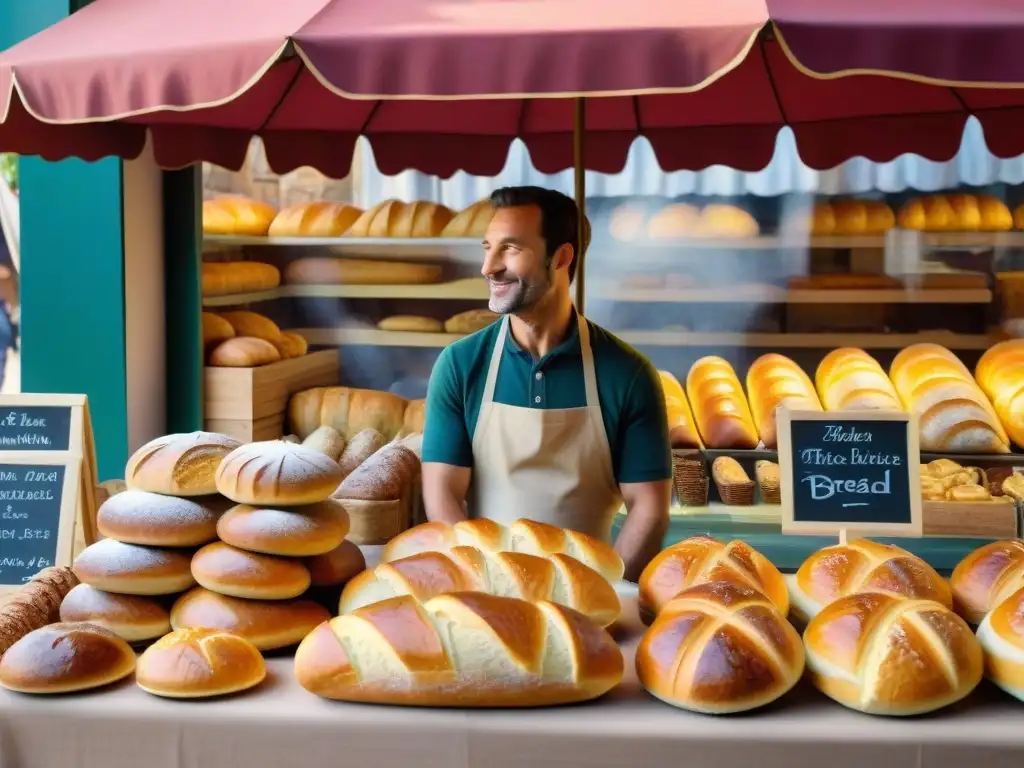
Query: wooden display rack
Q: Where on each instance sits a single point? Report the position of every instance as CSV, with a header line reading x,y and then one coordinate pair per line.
x,y
250,404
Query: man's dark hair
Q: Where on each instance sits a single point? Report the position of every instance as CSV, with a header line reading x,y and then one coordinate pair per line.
x,y
559,218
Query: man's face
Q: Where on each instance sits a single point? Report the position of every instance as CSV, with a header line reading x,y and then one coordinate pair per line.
x,y
515,261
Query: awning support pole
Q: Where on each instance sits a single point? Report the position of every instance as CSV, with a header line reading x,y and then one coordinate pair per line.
x,y
580,179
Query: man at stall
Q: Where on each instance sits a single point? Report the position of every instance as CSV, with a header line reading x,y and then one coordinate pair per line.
x,y
543,414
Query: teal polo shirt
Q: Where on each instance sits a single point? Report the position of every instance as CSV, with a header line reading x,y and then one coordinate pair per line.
x,y
628,387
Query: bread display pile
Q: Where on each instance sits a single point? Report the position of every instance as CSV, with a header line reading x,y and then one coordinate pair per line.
x,y
846,218
349,411
955,213
244,339
946,480
677,221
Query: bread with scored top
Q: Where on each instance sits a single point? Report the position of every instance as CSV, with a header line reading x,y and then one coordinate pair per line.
x,y
198,663
320,219
1001,635
471,221
237,215
851,379
179,464
719,406
348,410
277,473
775,381
986,577
393,218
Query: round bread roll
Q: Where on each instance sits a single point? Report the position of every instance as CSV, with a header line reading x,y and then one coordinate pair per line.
x,y
244,352
276,473
726,221
701,559
231,571
1001,635
63,658
133,618
293,532
986,577
889,655
337,566
138,517
291,345
131,569
626,223
199,663
215,330
253,324
862,565
719,647
674,221
179,465
267,624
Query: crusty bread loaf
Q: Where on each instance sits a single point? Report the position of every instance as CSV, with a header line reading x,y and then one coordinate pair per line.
x,y
130,569
393,218
885,655
337,566
276,473
470,321
719,405
558,578
348,410
267,624
931,213
862,217
682,431
359,449
673,222
527,536
199,663
415,417
227,278
467,649
327,270
1000,374
63,658
179,464
850,379
726,221
962,213
627,223
719,648
243,352
305,531
384,476
1001,636
863,565
138,517
953,413
252,324
411,324
215,330
323,219
237,215
986,577
133,618
230,571
995,215
775,381
702,559
35,604
470,222
291,345
327,440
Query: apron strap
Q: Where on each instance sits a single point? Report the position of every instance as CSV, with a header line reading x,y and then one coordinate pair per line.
x,y
492,369
587,353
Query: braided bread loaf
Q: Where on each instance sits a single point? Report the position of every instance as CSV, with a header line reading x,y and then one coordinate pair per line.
x,y
466,649
887,655
558,578
525,536
718,648
987,576
701,559
862,565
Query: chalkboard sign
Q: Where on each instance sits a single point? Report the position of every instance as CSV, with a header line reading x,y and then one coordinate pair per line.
x,y
35,428
850,470
38,505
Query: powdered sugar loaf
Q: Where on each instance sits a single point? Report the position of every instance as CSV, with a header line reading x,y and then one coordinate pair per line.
x,y
140,517
179,464
277,473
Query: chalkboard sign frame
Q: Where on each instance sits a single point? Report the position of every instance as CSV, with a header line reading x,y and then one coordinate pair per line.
x,y
70,501
784,427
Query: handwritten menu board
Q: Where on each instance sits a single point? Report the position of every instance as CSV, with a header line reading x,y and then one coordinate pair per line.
x,y
850,470
35,427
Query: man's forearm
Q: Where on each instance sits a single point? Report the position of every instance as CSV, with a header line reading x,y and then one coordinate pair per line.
x,y
444,492
445,508
643,532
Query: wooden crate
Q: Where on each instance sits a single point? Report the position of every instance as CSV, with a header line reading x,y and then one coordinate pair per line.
x,y
251,403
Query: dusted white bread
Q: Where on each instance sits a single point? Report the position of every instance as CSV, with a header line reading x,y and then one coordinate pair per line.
x,y
467,649
862,565
986,577
888,655
179,464
719,648
277,473
337,566
131,569
292,532
267,624
231,571
702,559
1001,635
63,658
526,536
199,663
558,578
134,618
138,517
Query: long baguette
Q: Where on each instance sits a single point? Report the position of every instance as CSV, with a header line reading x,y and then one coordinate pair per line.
x,y
465,649
526,536
558,578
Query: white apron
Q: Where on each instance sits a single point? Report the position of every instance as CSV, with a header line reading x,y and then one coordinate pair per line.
x,y
551,466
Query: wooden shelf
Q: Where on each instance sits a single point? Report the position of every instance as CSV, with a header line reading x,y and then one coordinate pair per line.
x,y
472,288
768,294
375,338
346,242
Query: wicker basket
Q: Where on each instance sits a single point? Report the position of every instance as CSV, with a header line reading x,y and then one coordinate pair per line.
x,y
771,487
690,479
737,494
